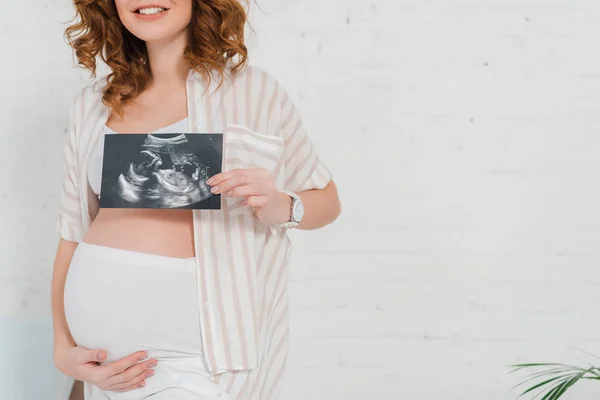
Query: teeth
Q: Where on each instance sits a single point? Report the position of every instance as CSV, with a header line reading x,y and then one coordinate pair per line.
x,y
150,10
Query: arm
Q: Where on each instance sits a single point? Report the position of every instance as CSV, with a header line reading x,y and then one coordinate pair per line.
x,y
321,207
62,335
305,174
75,361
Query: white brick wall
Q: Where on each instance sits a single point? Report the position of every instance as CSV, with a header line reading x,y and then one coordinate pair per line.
x,y
463,137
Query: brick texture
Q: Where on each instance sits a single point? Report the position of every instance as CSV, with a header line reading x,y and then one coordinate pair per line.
x,y
463,135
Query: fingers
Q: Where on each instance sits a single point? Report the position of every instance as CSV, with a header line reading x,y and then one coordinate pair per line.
x,y
137,385
225,181
138,381
245,191
231,174
124,378
116,367
235,189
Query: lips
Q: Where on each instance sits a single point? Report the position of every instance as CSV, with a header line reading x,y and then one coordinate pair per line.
x,y
151,12
150,9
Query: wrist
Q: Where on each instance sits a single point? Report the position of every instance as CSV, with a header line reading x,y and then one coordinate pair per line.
x,y
60,355
63,346
284,207
295,211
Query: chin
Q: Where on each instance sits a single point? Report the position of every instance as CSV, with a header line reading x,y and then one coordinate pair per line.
x,y
156,35
155,22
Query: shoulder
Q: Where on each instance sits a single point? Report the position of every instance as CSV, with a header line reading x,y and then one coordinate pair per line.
x,y
254,73
257,83
87,97
86,105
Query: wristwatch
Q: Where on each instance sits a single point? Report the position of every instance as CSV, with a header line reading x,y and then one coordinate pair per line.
x,y
296,211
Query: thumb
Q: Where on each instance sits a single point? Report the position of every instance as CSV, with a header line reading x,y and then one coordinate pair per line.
x,y
89,355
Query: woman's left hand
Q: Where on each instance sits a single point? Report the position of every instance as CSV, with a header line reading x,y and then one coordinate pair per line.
x,y
257,186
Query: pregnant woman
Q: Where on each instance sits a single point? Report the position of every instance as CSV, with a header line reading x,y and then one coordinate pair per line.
x,y
174,304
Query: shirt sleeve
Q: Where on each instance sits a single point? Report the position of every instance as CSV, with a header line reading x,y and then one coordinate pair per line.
x,y
304,169
69,221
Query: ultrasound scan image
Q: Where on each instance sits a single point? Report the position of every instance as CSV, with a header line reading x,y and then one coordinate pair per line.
x,y
160,170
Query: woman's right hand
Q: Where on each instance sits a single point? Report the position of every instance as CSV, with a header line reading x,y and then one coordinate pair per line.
x,y
121,375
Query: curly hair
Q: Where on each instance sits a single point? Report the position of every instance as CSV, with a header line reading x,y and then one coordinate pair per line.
x,y
217,37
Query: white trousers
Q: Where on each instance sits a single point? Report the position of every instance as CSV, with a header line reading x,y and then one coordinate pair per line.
x,y
126,301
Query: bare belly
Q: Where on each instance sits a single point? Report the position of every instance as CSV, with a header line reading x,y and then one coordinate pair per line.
x,y
153,231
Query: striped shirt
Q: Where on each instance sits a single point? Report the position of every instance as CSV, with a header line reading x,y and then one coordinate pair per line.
x,y
241,264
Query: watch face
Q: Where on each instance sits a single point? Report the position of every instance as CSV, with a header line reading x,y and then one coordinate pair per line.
x,y
298,211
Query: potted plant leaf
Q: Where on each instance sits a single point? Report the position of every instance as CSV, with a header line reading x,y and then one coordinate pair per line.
x,y
552,380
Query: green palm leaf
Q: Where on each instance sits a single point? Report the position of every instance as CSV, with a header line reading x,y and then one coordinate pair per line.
x,y
554,379
531,389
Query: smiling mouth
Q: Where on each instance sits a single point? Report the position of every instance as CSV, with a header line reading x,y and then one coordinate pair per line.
x,y
150,10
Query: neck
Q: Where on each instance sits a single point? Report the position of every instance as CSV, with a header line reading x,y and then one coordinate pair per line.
x,y
166,60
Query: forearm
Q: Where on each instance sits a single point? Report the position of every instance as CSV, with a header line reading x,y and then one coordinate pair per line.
x,y
64,253
321,207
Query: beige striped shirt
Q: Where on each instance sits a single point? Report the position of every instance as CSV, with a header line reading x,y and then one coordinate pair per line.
x,y
242,264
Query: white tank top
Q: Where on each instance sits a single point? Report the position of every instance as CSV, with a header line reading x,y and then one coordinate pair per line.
x,y
95,162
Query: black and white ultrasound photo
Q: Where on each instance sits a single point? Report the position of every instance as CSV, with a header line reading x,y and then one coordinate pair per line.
x,y
163,170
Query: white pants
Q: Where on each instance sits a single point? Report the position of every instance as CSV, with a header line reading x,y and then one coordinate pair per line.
x,y
126,301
